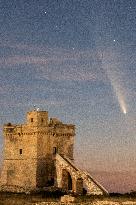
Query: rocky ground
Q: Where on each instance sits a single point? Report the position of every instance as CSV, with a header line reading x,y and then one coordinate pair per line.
x,y
96,202
19,199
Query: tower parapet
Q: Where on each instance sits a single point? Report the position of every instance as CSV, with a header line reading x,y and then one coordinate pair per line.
x,y
37,118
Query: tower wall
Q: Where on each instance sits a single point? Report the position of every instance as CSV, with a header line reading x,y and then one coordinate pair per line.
x,y
29,150
37,118
19,160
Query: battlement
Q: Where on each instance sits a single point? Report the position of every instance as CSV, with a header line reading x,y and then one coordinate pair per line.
x,y
9,128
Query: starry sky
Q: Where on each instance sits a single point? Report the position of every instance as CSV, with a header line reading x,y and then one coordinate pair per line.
x,y
77,60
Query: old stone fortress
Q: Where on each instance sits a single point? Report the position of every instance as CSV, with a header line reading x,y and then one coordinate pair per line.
x,y
39,154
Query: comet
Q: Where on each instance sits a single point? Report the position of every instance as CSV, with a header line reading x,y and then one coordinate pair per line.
x,y
122,103
123,107
125,112
112,68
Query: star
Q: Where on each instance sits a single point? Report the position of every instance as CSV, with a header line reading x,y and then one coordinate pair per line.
x,y
45,12
114,40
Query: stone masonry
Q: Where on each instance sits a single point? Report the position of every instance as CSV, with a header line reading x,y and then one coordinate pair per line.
x,y
65,166
39,153
29,150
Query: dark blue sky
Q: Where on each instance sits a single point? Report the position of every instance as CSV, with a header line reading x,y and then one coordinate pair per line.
x,y
76,59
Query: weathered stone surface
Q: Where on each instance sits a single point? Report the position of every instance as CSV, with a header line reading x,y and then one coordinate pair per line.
x,y
65,166
29,150
39,153
67,199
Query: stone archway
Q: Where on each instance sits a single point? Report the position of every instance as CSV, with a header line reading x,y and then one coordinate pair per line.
x,y
69,177
69,182
66,180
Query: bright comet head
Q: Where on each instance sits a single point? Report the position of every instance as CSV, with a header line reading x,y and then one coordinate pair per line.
x,y
125,112
124,109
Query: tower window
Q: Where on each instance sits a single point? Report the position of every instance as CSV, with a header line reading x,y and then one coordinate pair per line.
x,y
20,151
54,150
42,120
32,119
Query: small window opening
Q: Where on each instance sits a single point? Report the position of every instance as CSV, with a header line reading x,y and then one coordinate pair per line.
x,y
54,150
20,151
42,120
32,119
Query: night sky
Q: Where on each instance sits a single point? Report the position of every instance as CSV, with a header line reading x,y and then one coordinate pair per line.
x,y
77,60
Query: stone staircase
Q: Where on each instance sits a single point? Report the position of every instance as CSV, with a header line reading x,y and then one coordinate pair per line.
x,y
93,187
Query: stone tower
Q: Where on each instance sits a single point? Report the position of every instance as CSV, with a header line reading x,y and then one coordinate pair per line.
x,y
30,149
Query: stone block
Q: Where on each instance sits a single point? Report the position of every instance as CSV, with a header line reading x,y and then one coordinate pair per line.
x,y
68,199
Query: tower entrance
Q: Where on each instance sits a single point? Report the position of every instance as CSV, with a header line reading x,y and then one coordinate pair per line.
x,y
66,180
